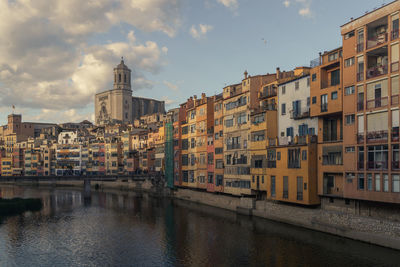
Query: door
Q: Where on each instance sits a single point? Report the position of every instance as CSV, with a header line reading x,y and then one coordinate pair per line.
x,y
258,182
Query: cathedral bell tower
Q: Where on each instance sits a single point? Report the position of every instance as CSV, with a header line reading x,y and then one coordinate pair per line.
x,y
122,77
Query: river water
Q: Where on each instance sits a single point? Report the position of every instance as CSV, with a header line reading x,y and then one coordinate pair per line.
x,y
133,229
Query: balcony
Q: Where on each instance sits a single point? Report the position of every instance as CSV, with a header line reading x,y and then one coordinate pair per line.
x,y
299,114
376,71
267,92
395,134
379,39
394,67
377,165
360,138
232,146
268,105
377,102
394,34
378,136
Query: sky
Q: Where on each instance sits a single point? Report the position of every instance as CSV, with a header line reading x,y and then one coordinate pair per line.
x,y
56,55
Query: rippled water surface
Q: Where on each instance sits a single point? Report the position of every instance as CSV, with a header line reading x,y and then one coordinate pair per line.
x,y
132,229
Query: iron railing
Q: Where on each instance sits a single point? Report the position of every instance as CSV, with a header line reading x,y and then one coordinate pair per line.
x,y
377,102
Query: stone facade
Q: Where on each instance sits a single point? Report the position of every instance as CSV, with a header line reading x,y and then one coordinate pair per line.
x,y
118,106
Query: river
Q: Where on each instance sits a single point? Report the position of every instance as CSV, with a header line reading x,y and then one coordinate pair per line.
x,y
133,229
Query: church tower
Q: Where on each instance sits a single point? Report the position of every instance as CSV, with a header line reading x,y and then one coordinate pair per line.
x,y
122,77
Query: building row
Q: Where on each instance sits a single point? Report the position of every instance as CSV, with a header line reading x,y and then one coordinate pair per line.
x,y
319,134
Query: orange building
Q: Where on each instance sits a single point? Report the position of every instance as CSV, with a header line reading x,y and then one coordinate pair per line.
x,y
371,106
326,93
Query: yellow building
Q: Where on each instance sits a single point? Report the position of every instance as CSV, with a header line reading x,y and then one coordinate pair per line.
x,y
292,172
114,156
6,166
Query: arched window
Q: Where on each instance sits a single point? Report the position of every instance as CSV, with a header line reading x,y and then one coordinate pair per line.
x,y
115,78
124,78
119,77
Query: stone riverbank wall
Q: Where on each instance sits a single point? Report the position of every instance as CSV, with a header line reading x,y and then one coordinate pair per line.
x,y
383,232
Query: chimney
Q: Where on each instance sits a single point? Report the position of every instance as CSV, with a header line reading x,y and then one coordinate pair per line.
x,y
245,74
278,73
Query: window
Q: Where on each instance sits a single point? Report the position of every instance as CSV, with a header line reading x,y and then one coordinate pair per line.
x,y
308,81
278,155
349,35
385,183
304,155
335,77
258,136
350,149
273,187
210,178
349,90
314,99
334,95
324,103
395,183
259,118
333,56
360,181
314,77
294,158
296,85
308,101
219,180
283,89
210,158
350,119
285,187
378,157
219,164
242,118
369,181
229,123
349,62
283,108
377,182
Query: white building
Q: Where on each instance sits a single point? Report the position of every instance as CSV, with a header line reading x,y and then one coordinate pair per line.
x,y
294,110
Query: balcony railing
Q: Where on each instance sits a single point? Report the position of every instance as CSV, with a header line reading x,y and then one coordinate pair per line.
x,y
377,136
377,71
268,106
360,138
360,47
324,107
377,165
302,140
378,40
299,195
264,93
395,135
299,114
232,146
360,105
395,34
377,102
394,100
271,164
394,66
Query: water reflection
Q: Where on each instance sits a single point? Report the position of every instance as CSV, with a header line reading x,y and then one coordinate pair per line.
x,y
134,229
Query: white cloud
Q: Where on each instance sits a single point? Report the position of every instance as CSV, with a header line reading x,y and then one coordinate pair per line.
x,y
286,3
305,12
200,31
232,4
304,7
168,101
171,86
46,62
